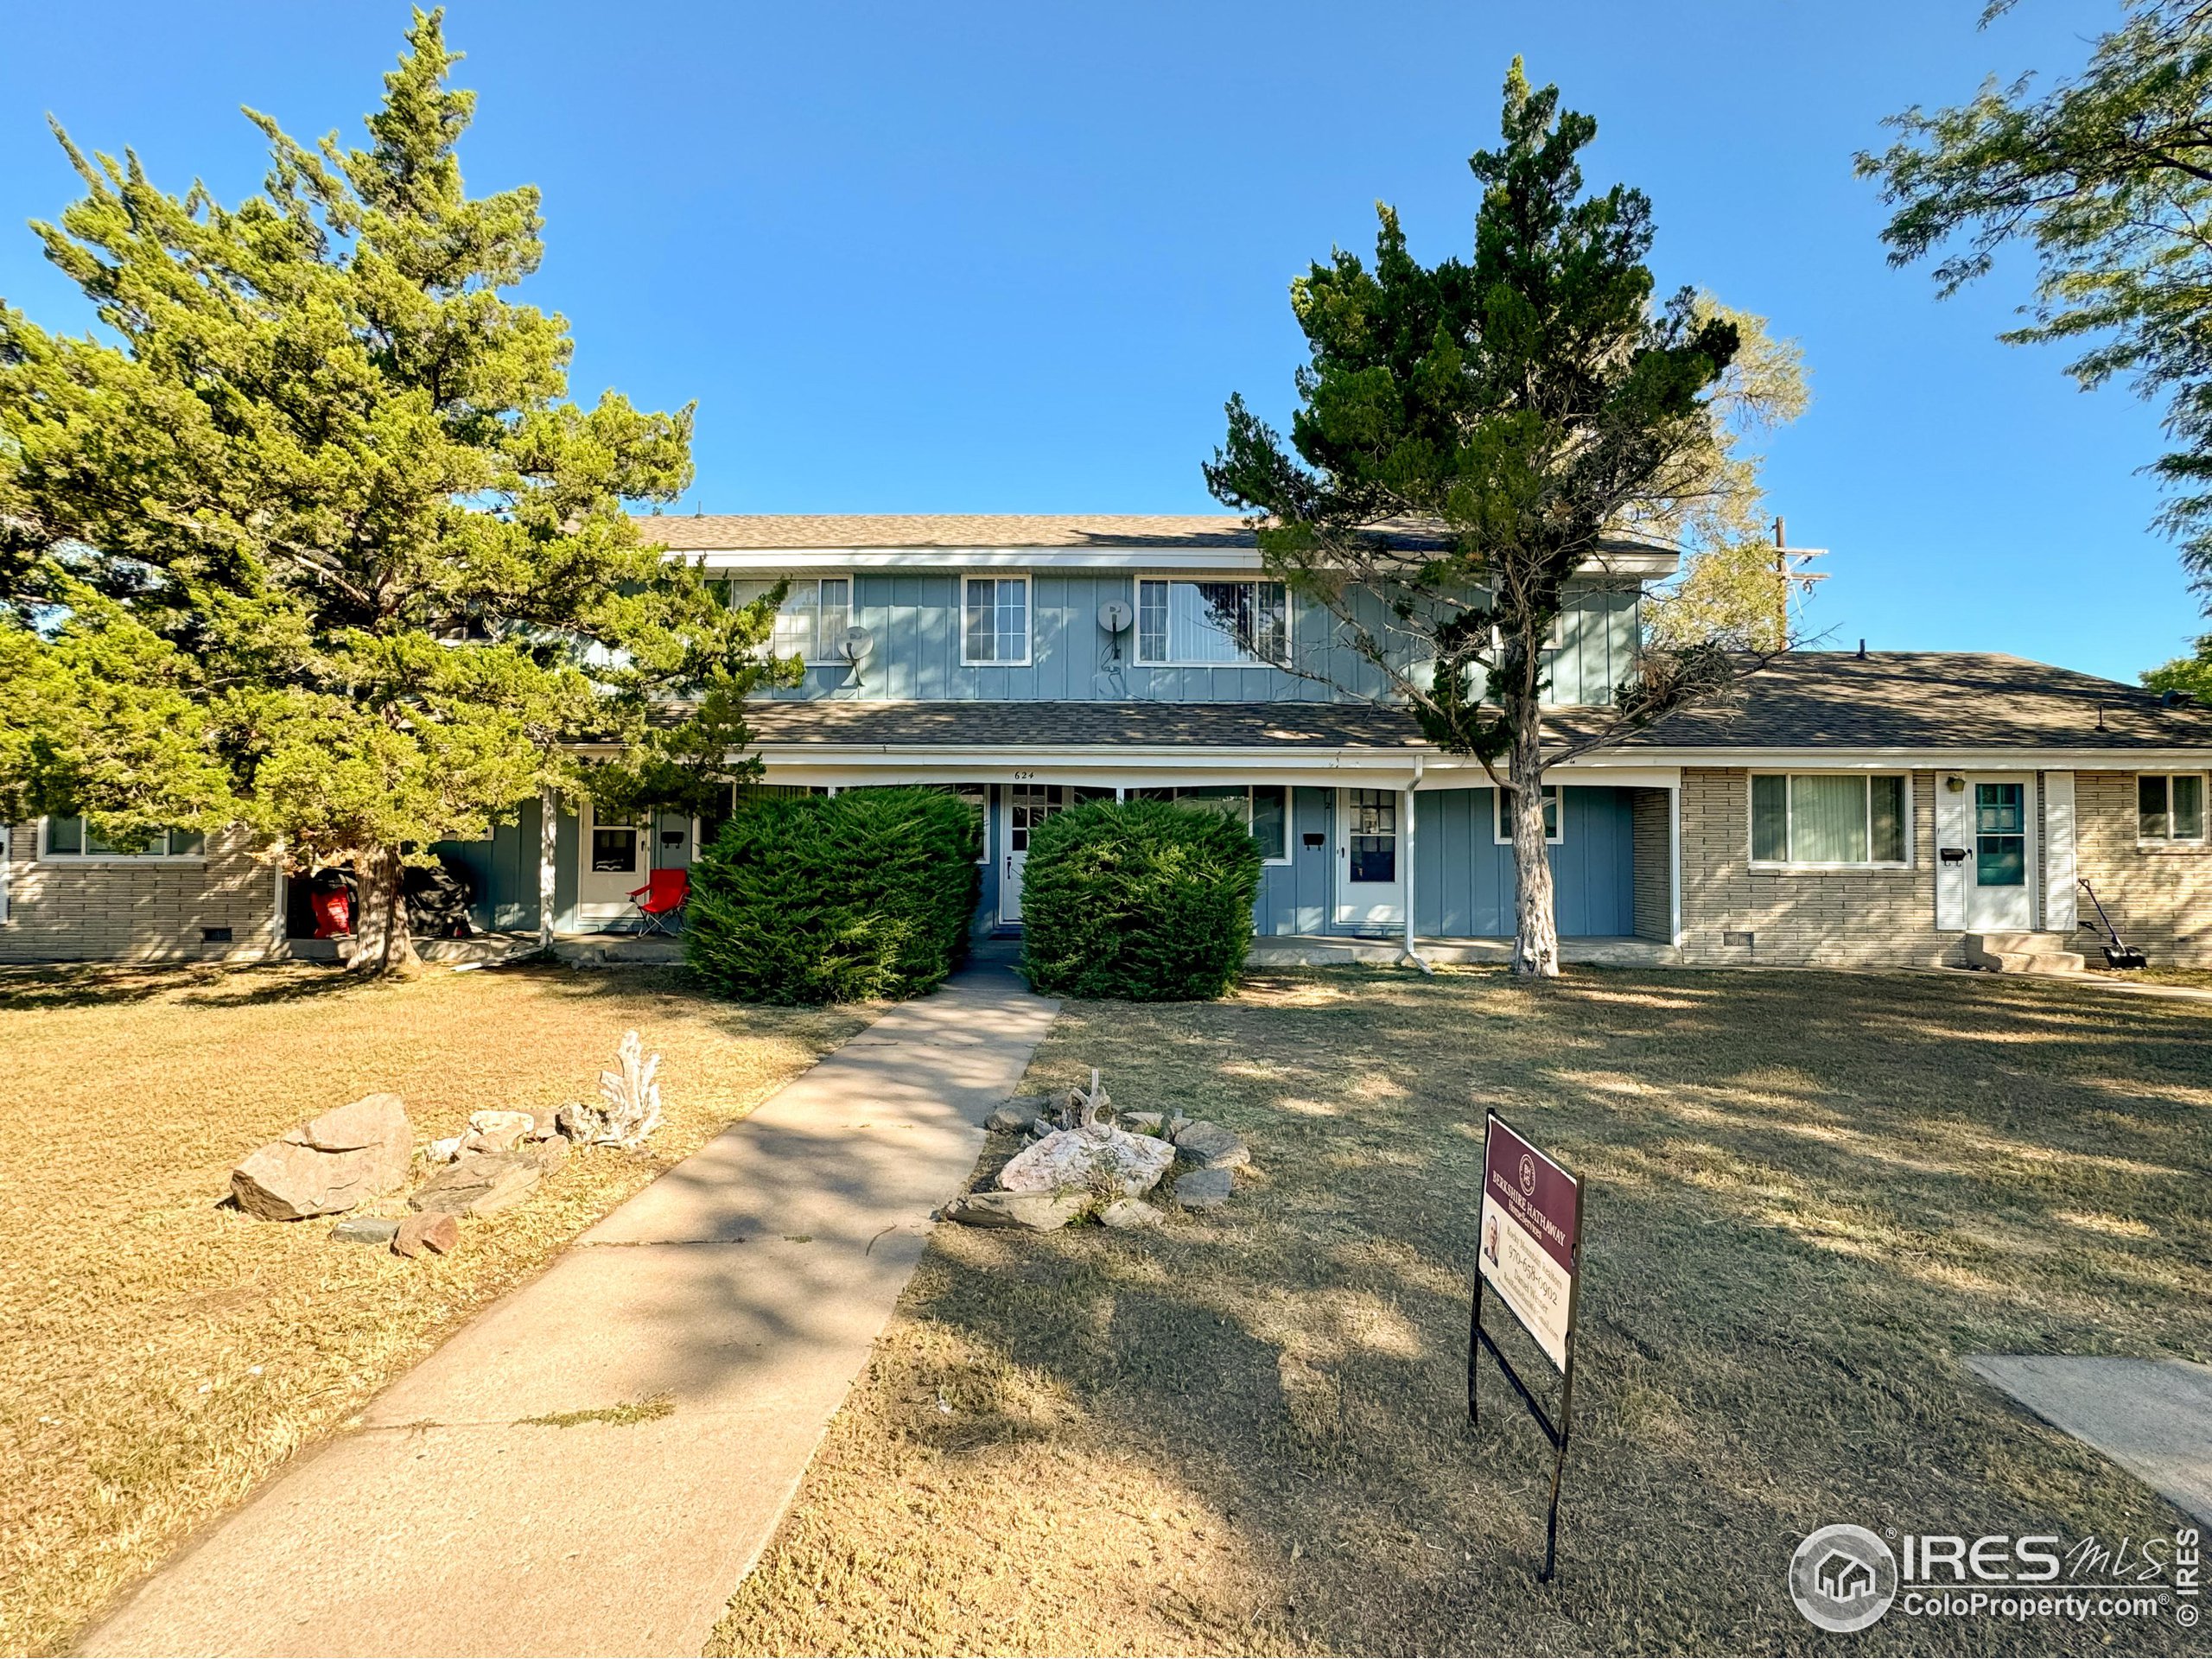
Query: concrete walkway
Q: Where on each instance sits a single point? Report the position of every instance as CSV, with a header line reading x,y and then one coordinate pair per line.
x,y
745,1288
2152,1417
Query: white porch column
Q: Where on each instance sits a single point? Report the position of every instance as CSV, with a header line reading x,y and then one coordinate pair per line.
x,y
548,817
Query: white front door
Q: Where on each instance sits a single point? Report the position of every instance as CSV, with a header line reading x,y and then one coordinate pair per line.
x,y
612,859
1028,805
2000,856
1370,882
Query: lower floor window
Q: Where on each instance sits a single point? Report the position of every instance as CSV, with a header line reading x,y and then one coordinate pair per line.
x,y
2170,806
1263,809
1504,800
1828,818
70,837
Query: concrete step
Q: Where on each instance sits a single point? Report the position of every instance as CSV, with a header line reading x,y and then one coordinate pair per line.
x,y
2021,953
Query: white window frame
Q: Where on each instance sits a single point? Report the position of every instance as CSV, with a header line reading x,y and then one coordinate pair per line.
x,y
1502,832
2170,839
1136,626
48,856
1803,866
1029,621
820,653
1172,791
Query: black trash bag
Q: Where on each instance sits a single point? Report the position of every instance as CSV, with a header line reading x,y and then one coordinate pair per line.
x,y
438,897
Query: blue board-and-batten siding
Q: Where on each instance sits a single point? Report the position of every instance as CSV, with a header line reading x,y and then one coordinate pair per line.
x,y
915,619
1463,880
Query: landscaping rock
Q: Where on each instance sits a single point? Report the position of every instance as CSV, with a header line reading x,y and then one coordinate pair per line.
x,y
433,1230
496,1131
1125,1213
545,1123
1020,1113
481,1183
1175,1125
444,1151
1040,1212
1142,1122
330,1164
364,1230
1089,1160
1202,1189
1209,1146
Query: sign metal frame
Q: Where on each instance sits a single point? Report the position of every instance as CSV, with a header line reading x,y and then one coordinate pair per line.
x,y
1554,1430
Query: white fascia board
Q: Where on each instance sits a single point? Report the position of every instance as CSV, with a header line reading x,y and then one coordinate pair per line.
x,y
1241,561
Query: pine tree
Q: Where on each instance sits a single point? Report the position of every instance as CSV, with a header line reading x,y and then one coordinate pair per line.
x,y
311,536
1518,415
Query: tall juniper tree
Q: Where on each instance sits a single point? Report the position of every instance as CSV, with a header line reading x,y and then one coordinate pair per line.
x,y
311,537
1471,434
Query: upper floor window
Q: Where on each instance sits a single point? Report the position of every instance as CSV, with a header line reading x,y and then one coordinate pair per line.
x,y
994,621
70,838
1554,829
811,623
1829,819
1206,624
2170,806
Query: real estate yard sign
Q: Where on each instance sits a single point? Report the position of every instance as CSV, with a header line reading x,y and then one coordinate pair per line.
x,y
1531,1254
1532,1211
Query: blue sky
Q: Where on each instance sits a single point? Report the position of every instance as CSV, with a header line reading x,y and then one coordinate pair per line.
x,y
1014,257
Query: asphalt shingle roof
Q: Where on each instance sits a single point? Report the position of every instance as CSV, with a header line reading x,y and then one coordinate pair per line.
x,y
741,531
1932,700
956,722
1806,700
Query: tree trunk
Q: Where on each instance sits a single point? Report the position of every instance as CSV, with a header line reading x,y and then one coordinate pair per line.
x,y
383,942
1535,920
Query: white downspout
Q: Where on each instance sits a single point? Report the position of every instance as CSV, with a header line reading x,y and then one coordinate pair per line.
x,y
1412,954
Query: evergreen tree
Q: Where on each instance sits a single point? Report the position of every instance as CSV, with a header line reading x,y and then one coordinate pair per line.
x,y
2107,176
311,536
1470,436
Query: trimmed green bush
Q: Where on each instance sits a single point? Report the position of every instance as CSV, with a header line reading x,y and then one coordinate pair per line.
x,y
1144,900
835,898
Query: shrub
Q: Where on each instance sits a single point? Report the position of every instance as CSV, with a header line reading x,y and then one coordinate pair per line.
x,y
1141,900
835,899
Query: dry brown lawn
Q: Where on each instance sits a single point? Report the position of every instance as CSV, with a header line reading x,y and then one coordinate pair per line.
x,y
162,1354
1809,1196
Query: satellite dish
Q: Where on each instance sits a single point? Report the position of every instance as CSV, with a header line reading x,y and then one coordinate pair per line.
x,y
1114,616
856,644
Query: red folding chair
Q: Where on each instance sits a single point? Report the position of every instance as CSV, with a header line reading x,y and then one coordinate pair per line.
x,y
660,899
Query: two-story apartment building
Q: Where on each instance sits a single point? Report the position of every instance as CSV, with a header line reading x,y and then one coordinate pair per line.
x,y
1883,809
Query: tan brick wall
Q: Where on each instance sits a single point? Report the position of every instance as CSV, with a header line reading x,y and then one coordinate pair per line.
x,y
1654,856
91,910
2160,897
1832,919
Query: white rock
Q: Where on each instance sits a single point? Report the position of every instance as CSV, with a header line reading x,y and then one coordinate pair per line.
x,y
445,1151
1094,1157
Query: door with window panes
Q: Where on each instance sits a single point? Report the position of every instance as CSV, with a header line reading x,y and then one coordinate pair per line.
x,y
2000,863
1028,805
1370,878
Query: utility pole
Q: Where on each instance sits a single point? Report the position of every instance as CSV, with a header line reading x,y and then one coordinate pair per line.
x,y
1790,571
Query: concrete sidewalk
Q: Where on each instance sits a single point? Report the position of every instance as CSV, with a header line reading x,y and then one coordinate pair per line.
x,y
744,1286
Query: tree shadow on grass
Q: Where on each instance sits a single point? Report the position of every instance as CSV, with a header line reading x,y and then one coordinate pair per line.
x,y
1809,1196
